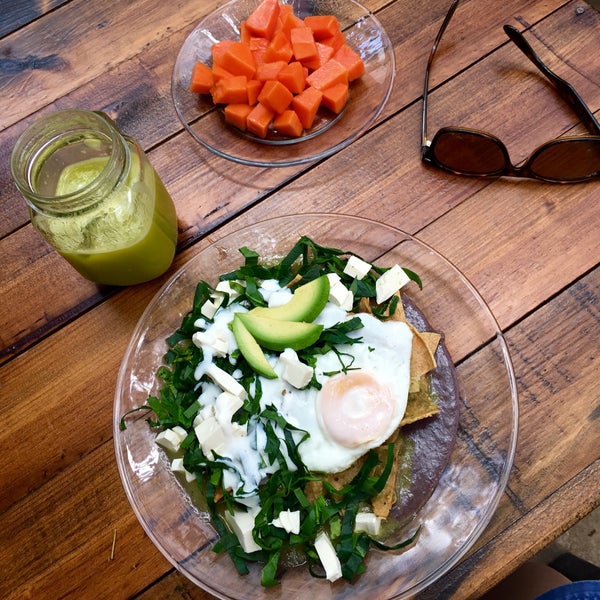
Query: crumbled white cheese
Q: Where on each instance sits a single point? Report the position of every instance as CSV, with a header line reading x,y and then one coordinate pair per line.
x,y
177,467
289,520
170,439
226,381
227,288
214,339
356,267
242,524
329,559
339,294
390,282
367,522
294,371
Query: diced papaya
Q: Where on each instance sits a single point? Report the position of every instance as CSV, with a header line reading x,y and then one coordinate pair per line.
x,y
258,46
238,60
293,76
322,26
306,105
253,88
236,115
220,73
218,49
335,97
335,41
289,21
324,53
279,48
282,68
263,20
245,34
231,90
275,96
329,74
288,123
202,79
303,44
267,71
259,119
351,60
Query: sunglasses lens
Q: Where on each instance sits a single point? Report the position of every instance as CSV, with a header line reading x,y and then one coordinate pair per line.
x,y
469,152
567,160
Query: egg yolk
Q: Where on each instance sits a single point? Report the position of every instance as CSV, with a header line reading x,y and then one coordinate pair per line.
x,y
355,409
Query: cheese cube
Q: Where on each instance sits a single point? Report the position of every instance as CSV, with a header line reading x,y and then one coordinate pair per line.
x,y
242,524
211,437
227,288
390,282
295,372
329,559
289,520
209,308
226,381
170,439
367,522
211,340
356,267
177,467
226,405
341,296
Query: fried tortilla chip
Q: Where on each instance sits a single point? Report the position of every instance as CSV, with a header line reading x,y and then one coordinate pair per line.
x,y
420,405
382,502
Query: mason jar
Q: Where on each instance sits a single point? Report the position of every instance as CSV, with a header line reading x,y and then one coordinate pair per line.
x,y
95,197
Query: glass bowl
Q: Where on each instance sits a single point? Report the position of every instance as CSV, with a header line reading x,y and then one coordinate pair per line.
x,y
368,94
459,504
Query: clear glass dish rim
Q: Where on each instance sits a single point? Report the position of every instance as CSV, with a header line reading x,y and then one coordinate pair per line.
x,y
453,560
303,159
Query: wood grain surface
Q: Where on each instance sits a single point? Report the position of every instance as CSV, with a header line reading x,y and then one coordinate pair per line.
x,y
531,249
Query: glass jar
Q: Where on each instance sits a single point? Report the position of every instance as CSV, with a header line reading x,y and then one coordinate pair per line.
x,y
95,197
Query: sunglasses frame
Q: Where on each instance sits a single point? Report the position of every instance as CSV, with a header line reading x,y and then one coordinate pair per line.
x,y
565,89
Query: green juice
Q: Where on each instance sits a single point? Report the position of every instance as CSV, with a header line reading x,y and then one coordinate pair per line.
x,y
129,237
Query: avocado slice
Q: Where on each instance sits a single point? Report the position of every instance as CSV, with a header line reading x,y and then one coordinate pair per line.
x,y
306,303
250,349
278,335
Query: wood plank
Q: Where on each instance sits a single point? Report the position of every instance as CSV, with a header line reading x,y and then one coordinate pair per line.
x,y
59,543
137,94
81,504
406,193
567,505
14,15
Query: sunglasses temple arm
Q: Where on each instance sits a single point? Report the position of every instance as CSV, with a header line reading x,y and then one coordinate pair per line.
x,y
428,69
566,90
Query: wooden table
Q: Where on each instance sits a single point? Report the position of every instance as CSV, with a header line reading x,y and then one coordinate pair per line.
x,y
532,249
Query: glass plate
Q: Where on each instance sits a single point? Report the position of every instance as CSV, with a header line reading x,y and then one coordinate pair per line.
x,y
471,484
330,133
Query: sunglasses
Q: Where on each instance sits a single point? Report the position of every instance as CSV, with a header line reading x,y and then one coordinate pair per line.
x,y
477,153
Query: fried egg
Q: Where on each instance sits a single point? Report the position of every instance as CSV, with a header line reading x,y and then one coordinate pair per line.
x,y
363,395
360,403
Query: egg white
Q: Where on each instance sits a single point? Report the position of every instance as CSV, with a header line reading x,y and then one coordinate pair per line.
x,y
384,353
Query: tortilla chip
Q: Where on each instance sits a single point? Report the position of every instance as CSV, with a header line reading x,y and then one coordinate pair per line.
x,y
432,340
422,359
382,503
420,405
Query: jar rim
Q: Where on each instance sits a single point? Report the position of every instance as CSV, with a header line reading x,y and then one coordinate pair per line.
x,y
41,132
